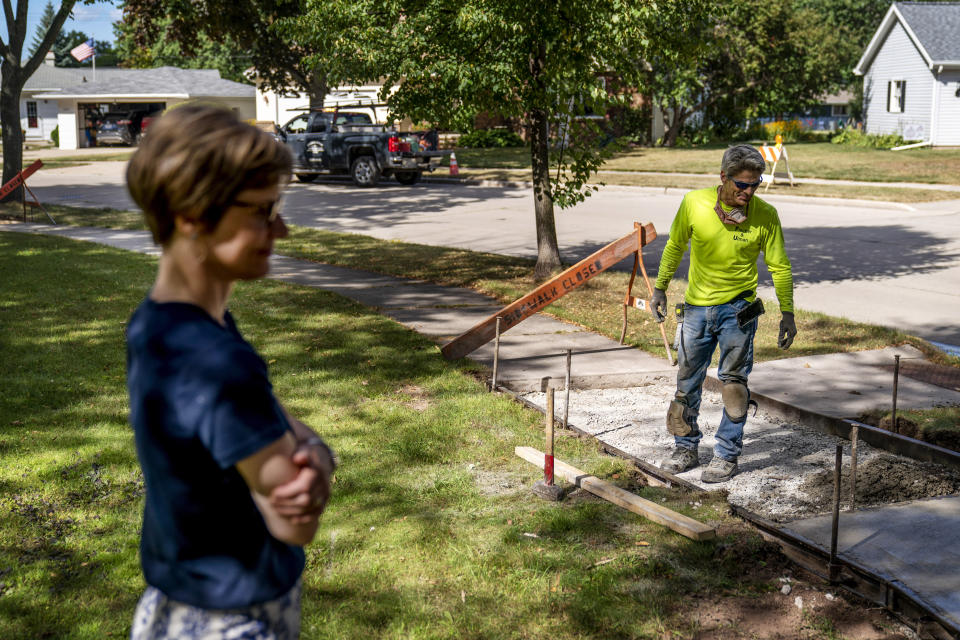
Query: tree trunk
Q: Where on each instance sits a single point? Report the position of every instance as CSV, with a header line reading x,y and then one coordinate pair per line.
x,y
548,253
317,89
12,135
677,117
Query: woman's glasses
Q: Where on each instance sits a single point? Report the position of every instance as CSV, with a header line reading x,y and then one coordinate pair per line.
x,y
265,212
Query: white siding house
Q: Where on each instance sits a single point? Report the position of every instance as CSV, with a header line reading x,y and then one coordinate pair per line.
x,y
142,89
911,73
280,108
38,116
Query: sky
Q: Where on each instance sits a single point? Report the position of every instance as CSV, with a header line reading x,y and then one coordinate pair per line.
x,y
96,20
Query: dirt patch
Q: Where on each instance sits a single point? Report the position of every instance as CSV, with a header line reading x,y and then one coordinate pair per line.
x,y
417,397
804,613
499,483
946,437
882,480
787,603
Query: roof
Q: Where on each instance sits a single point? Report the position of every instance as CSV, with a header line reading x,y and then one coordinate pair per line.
x,y
162,82
50,78
934,27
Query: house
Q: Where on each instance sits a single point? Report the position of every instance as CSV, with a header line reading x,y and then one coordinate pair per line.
x,y
911,73
281,107
38,117
140,90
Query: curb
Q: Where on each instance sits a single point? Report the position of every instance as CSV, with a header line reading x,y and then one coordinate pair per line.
x,y
827,201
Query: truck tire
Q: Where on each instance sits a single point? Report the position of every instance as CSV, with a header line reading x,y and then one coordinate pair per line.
x,y
365,172
408,177
307,177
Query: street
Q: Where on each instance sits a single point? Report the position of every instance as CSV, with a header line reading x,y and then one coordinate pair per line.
x,y
888,264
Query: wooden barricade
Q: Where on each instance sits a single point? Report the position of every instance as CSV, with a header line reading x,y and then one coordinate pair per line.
x,y
21,179
774,155
554,289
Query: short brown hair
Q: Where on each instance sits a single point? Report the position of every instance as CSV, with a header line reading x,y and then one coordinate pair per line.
x,y
194,161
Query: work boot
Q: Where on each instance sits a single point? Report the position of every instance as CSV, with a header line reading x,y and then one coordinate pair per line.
x,y
719,470
680,460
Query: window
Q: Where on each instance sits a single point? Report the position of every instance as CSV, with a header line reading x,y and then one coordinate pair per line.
x,y
839,110
32,115
896,96
297,125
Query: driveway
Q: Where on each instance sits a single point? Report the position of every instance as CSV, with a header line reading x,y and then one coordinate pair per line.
x,y
883,263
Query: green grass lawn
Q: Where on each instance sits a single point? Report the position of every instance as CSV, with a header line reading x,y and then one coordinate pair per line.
x,y
429,531
73,161
807,160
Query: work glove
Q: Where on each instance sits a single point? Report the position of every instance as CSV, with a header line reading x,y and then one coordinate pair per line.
x,y
658,304
788,329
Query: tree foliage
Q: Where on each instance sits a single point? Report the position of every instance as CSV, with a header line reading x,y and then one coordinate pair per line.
x,y
43,25
545,64
282,61
226,56
737,60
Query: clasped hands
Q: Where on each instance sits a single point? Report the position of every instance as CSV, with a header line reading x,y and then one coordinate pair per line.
x,y
305,497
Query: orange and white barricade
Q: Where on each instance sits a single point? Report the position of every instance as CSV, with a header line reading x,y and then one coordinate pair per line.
x,y
775,155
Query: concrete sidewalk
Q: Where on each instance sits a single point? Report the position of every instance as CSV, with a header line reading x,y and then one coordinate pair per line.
x,y
838,385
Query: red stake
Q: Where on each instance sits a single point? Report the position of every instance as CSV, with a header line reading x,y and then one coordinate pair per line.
x,y
548,456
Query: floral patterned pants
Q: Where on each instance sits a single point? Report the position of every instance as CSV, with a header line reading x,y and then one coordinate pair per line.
x,y
159,618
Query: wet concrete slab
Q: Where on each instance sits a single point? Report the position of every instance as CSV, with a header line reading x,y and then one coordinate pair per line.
x,y
844,385
915,545
595,361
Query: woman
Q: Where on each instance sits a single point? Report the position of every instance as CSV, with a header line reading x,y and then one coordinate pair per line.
x,y
234,485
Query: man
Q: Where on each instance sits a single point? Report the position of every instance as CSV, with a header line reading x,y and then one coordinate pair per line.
x,y
727,228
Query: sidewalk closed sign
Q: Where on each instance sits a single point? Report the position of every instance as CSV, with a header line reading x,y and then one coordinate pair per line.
x,y
777,156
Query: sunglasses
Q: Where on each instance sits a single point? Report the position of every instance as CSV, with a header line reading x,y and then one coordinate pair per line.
x,y
265,212
743,186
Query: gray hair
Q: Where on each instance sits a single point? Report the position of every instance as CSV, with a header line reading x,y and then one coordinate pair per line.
x,y
742,157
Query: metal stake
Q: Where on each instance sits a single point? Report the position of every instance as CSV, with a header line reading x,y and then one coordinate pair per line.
x,y
496,357
854,438
566,399
834,567
896,379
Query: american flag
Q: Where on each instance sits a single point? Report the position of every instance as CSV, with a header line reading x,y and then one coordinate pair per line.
x,y
83,51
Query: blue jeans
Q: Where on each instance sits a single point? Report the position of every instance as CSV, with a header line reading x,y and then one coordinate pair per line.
x,y
705,328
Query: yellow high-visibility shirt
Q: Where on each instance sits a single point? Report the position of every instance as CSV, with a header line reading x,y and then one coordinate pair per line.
x,y
723,257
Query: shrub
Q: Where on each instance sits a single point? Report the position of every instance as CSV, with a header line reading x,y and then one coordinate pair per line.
x,y
55,136
857,138
490,138
790,130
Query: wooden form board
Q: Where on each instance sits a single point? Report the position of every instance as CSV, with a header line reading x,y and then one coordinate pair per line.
x,y
554,289
651,510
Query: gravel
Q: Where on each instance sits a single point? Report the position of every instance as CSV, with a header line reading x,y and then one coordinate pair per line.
x,y
786,469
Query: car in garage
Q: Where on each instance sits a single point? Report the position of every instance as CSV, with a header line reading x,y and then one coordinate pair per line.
x,y
120,127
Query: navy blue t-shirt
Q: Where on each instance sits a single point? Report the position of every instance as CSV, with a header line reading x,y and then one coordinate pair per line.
x,y
201,401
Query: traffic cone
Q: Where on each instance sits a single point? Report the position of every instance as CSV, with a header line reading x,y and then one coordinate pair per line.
x,y
454,168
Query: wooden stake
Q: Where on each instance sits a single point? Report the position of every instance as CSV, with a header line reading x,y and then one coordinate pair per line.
x,y
566,399
548,457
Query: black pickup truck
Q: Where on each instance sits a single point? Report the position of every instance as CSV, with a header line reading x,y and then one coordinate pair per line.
x,y
348,142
